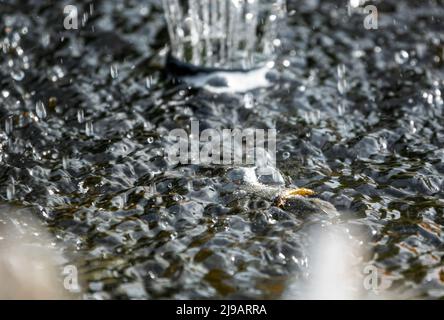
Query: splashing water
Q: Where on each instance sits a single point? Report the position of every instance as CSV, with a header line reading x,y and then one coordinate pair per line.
x,y
114,71
40,110
228,34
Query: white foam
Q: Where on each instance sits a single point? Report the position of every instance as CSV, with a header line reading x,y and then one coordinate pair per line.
x,y
233,81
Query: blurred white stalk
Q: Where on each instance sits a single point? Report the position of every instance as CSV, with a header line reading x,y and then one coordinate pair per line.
x,y
335,267
27,259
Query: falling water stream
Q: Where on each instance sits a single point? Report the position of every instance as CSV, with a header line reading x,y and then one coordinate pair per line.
x,y
227,34
224,46
85,115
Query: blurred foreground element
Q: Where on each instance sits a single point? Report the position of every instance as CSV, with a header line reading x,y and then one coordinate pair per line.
x,y
27,259
337,269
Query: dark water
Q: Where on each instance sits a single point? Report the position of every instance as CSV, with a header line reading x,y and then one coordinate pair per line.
x,y
92,164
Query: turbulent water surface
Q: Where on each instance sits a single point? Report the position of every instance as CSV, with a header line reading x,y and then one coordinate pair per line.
x,y
85,114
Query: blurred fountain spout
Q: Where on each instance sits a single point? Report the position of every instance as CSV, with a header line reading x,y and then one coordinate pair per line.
x,y
223,35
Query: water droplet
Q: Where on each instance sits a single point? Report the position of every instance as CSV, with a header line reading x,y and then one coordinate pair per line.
x,y
58,72
144,11
40,110
114,71
5,93
430,99
342,81
150,140
355,3
358,53
270,64
46,40
10,192
249,101
89,129
342,69
9,126
80,115
401,57
412,126
17,75
383,143
84,19
65,162
277,42
149,82
341,108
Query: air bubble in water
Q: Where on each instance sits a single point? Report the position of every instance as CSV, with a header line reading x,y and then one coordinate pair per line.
x,y
40,110
150,140
114,71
